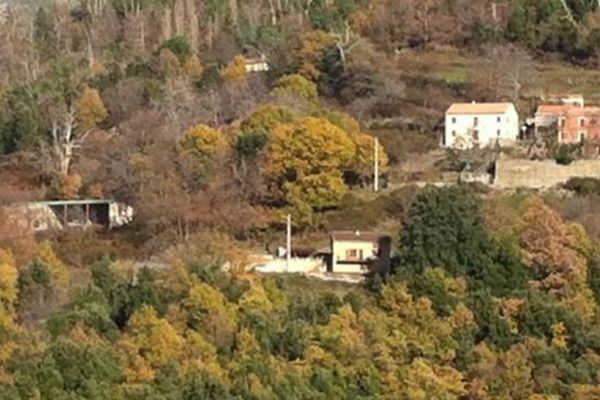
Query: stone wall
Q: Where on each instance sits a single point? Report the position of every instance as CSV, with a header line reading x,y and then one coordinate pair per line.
x,y
512,174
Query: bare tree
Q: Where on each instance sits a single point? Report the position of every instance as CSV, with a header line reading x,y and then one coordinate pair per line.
x,y
504,71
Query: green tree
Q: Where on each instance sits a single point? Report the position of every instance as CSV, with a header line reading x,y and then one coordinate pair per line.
x,y
445,228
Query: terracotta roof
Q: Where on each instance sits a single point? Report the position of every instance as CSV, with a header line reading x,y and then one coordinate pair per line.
x,y
478,108
565,109
553,109
357,236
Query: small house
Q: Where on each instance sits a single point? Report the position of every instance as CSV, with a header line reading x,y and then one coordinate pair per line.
x,y
356,252
471,125
257,64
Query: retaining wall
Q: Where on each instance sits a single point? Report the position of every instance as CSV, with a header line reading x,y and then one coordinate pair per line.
x,y
512,174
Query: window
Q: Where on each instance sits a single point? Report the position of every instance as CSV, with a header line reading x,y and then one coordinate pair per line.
x,y
453,133
499,119
354,255
453,120
498,132
581,122
475,121
476,134
582,137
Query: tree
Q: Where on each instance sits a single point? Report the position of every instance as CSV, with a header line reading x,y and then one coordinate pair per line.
x,y
150,344
267,117
73,113
549,248
235,70
505,71
211,313
90,109
305,160
445,228
297,86
314,45
202,141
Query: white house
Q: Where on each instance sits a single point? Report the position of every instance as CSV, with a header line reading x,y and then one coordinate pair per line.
x,y
258,64
480,125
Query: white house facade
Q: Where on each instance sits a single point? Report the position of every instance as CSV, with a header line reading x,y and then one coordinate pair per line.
x,y
481,125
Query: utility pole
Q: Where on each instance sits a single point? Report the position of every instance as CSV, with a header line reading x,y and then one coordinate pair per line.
x,y
288,253
376,166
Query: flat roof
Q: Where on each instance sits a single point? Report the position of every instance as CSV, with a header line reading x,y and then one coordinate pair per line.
x,y
78,202
357,236
478,108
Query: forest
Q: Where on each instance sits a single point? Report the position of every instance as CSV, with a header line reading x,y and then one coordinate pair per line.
x,y
492,295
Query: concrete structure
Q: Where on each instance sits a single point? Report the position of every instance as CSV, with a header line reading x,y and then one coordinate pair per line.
x,y
359,253
43,216
567,98
480,125
257,64
514,174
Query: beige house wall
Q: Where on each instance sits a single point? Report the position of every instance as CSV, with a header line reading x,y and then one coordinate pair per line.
x,y
340,248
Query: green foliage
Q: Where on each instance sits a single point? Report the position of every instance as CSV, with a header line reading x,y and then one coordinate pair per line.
x,y
565,154
91,308
594,276
445,228
21,124
583,186
250,144
178,45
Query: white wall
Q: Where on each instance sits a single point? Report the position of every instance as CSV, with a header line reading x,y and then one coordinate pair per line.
x,y
492,127
339,254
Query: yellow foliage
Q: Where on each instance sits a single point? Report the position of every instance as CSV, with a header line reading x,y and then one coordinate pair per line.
x,y
97,68
256,298
90,109
509,308
200,355
235,71
192,67
305,160
67,186
82,334
580,392
246,343
365,155
9,329
202,141
58,270
559,335
343,327
313,45
462,317
296,85
153,338
425,381
267,117
211,312
8,280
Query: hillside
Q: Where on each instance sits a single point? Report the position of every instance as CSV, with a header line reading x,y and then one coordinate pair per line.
x,y
214,120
